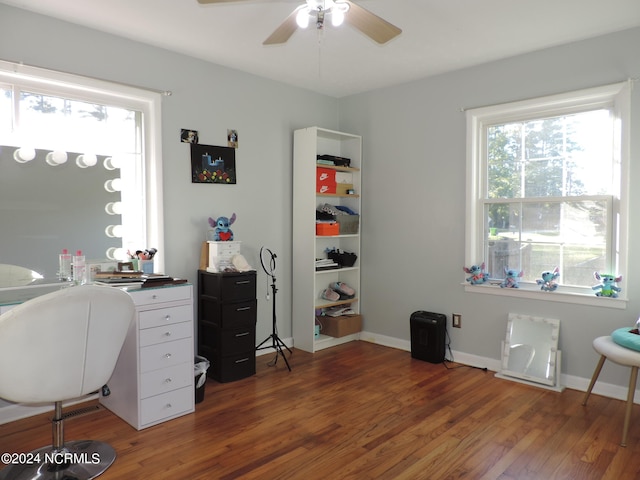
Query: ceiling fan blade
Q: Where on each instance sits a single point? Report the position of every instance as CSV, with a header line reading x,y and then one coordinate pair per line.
x,y
376,28
285,30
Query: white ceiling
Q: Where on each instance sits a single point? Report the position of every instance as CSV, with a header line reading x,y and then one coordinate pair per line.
x,y
438,35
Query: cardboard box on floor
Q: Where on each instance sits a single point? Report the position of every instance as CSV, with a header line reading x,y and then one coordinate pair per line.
x,y
341,326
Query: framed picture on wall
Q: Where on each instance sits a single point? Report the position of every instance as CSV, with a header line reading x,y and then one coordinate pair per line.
x,y
213,164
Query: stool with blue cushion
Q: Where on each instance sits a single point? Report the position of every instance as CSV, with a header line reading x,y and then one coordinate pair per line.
x,y
623,348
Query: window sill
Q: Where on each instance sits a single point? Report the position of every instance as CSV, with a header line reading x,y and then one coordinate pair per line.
x,y
533,292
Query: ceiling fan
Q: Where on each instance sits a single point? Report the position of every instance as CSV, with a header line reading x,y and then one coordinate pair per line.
x,y
338,11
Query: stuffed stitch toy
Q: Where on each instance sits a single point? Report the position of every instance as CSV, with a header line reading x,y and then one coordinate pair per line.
x,y
607,286
222,231
512,279
548,281
478,275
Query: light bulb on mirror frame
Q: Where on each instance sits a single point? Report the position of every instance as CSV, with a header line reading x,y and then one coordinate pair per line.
x,y
113,231
113,208
113,185
86,160
24,154
116,253
57,157
112,163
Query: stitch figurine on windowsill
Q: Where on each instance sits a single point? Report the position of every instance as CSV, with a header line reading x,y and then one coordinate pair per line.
x,y
607,286
512,279
478,275
548,281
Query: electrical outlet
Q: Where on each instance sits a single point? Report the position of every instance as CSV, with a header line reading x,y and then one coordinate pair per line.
x,y
456,320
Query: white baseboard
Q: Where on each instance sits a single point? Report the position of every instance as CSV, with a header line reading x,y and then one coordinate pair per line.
x,y
18,411
567,381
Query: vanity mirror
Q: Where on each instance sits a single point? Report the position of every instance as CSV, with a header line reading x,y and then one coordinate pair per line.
x,y
47,208
80,169
530,351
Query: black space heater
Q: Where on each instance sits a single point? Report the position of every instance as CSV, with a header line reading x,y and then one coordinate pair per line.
x,y
428,331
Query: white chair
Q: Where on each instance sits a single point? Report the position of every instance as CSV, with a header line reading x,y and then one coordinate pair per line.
x,y
610,350
56,347
15,276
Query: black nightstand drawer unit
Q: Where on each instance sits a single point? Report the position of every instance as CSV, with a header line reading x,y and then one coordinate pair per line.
x,y
228,287
227,313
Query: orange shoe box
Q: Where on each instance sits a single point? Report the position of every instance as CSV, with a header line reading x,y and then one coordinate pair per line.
x,y
326,229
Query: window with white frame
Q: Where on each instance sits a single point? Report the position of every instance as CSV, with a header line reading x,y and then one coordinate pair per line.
x,y
545,187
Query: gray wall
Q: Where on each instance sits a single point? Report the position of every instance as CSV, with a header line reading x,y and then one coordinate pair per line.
x,y
210,99
414,138
414,177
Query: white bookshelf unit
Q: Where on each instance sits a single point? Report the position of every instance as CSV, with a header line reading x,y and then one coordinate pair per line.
x,y
308,284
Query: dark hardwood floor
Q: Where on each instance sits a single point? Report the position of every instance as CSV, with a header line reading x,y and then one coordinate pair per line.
x,y
363,411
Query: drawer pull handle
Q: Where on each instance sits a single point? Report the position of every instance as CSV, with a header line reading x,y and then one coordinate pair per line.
x,y
241,309
167,334
167,355
243,334
169,405
167,317
154,296
242,360
243,282
167,380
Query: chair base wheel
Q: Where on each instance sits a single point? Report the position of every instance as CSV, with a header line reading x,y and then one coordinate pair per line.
x,y
79,460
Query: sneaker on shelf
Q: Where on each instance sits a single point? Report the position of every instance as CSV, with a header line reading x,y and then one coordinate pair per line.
x,y
330,295
343,289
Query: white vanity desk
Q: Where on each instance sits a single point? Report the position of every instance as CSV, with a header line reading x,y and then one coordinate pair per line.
x,y
154,378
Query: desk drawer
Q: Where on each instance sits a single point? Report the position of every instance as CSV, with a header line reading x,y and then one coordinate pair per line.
x,y
166,405
155,357
166,333
166,379
152,296
165,316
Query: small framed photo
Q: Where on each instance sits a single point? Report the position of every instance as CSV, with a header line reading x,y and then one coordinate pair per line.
x,y
188,136
232,138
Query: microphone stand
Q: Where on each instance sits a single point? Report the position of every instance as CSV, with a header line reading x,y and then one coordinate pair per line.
x,y
276,342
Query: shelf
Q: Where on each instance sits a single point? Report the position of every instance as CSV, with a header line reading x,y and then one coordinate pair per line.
x,y
338,168
333,270
347,235
308,283
343,195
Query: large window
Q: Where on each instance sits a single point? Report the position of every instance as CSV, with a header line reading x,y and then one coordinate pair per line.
x,y
545,189
81,167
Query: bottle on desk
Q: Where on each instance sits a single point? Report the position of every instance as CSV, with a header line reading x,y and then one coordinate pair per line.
x,y
79,269
64,271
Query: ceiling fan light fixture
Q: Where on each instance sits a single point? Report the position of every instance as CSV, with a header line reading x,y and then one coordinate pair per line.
x,y
337,17
303,16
